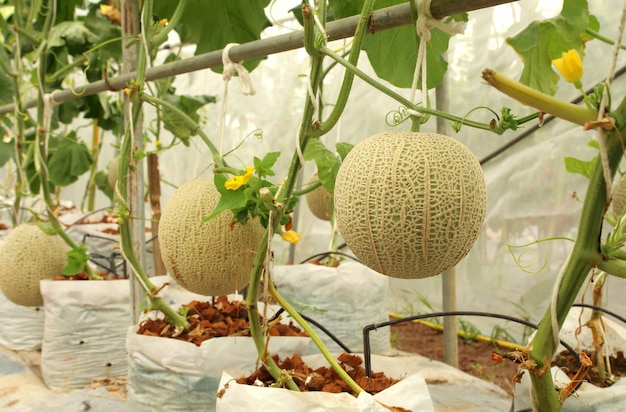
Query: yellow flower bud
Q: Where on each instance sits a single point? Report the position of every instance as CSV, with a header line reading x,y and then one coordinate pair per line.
x,y
291,236
162,22
570,65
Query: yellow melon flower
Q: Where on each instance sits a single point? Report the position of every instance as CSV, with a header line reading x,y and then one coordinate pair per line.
x,y
291,236
236,182
570,65
162,22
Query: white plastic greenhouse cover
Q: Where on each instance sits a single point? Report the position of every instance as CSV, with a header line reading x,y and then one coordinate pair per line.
x,y
530,192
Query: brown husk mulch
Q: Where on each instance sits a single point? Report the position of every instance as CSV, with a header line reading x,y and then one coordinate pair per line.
x,y
323,379
214,319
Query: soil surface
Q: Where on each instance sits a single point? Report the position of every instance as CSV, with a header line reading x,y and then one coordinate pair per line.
x,y
482,359
475,357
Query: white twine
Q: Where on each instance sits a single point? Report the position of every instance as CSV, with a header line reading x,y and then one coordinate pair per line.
x,y
245,85
424,23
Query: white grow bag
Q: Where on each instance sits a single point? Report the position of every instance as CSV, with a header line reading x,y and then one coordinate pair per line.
x,y
21,327
343,300
84,331
172,375
410,393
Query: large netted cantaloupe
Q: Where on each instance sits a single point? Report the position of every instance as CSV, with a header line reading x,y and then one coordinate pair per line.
x,y
318,200
210,258
410,205
28,255
619,196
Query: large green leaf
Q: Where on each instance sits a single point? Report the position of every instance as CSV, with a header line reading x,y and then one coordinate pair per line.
x,y
212,24
189,105
7,150
7,89
70,160
393,53
543,41
73,34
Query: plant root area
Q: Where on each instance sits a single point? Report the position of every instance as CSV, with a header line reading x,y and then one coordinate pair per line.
x,y
323,379
213,319
476,357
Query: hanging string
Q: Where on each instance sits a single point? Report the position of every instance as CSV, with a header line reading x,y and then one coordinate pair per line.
x,y
424,23
245,85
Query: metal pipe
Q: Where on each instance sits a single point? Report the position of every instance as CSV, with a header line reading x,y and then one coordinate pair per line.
x,y
386,18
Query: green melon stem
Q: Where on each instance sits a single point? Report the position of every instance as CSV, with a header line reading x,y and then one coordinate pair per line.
x,y
314,337
584,256
41,146
256,330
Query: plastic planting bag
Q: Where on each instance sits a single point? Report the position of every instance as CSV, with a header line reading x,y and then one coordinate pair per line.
x,y
21,327
410,393
84,331
343,300
173,375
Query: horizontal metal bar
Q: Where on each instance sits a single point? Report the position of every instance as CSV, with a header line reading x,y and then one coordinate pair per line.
x,y
387,18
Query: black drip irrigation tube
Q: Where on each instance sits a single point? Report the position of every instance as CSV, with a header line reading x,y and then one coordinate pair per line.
x,y
318,325
367,329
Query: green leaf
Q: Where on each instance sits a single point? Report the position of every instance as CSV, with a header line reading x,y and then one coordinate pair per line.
x,y
343,149
72,34
66,9
326,161
580,167
264,167
70,160
393,53
543,41
230,200
189,105
212,24
102,183
7,89
76,260
7,151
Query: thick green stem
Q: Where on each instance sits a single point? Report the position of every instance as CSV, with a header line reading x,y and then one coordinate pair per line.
x,y
540,101
256,330
318,342
155,101
171,24
584,256
400,99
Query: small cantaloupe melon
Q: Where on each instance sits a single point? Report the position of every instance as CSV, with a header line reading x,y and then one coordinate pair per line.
x,y
619,196
210,258
410,205
318,201
28,255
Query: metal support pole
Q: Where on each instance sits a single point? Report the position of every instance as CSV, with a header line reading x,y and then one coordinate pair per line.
x,y
450,340
131,12
387,18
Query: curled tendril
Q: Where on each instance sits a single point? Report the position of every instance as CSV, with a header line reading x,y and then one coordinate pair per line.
x,y
397,117
527,267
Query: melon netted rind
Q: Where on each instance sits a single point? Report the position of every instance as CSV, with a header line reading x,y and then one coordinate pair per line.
x,y
318,201
28,255
410,205
211,258
619,196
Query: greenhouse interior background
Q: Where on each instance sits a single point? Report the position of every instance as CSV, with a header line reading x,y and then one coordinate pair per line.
x,y
534,203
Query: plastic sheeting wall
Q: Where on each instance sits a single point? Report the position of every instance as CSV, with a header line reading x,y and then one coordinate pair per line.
x,y
530,193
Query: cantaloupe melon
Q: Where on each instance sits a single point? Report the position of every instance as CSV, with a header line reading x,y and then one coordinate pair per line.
x,y
410,205
318,200
211,258
619,196
28,255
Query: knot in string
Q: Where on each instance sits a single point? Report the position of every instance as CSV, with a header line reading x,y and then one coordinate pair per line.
x,y
426,21
230,68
